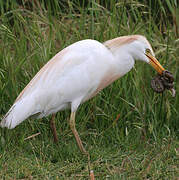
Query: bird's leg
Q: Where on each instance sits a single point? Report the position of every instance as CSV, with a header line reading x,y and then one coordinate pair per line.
x,y
73,128
79,142
53,128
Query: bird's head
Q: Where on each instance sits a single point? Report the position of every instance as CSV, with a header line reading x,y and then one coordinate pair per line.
x,y
136,46
153,61
142,50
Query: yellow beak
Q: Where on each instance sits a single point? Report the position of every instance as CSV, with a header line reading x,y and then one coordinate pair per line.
x,y
154,63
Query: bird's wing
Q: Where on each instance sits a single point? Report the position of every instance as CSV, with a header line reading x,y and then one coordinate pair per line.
x,y
90,52
44,71
42,87
78,71
52,71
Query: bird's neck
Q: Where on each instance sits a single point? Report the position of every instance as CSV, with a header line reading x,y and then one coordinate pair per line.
x,y
123,58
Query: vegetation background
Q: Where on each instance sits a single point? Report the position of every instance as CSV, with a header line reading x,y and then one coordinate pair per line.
x,y
130,131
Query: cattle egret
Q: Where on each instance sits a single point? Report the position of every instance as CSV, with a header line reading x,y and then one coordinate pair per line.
x,y
76,74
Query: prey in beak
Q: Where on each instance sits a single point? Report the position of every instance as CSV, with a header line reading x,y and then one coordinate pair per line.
x,y
164,79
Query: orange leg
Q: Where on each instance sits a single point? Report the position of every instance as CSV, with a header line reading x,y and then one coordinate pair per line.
x,y
53,128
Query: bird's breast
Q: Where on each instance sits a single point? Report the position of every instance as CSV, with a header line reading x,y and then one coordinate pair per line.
x,y
107,79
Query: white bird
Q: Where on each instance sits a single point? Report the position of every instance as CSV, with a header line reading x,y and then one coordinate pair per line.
x,y
76,74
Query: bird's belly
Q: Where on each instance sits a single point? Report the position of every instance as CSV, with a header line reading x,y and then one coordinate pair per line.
x,y
49,101
55,109
61,97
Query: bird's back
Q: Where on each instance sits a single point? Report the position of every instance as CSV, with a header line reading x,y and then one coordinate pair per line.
x,y
75,72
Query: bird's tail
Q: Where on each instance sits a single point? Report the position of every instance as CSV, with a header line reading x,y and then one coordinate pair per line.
x,y
20,111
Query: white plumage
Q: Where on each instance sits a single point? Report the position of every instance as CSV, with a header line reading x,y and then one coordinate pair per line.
x,y
76,74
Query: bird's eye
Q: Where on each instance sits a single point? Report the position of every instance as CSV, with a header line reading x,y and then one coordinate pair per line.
x,y
147,51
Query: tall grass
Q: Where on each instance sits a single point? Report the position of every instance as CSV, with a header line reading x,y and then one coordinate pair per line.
x,y
33,32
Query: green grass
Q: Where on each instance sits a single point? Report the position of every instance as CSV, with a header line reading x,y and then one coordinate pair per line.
x,y
118,159
129,131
